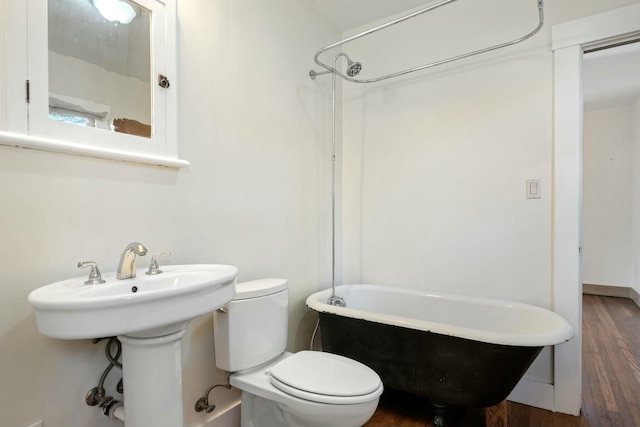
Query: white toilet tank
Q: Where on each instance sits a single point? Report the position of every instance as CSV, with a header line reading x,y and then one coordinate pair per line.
x,y
252,328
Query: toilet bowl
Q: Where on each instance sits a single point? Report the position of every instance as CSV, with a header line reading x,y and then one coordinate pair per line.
x,y
282,389
266,401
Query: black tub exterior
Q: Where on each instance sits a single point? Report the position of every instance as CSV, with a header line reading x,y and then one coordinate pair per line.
x,y
446,369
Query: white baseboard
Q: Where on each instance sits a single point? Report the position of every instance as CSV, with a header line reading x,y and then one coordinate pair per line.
x,y
228,417
534,393
612,291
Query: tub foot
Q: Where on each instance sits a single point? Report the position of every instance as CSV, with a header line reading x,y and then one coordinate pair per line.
x,y
440,411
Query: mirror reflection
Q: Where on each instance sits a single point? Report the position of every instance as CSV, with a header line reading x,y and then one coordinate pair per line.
x,y
100,65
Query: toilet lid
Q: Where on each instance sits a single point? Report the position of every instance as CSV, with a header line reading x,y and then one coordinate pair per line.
x,y
325,377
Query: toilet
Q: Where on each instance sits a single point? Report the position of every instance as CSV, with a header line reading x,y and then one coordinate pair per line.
x,y
282,389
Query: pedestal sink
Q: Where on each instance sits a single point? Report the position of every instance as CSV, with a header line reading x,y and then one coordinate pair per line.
x,y
149,315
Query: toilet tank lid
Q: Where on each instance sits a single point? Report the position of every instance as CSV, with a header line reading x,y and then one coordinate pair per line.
x,y
259,288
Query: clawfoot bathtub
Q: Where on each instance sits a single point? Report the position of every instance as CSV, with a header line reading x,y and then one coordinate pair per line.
x,y
454,350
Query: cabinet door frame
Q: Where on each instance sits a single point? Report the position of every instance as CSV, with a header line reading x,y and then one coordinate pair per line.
x,y
26,121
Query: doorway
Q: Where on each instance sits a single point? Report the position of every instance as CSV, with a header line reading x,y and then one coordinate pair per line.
x,y
611,161
569,41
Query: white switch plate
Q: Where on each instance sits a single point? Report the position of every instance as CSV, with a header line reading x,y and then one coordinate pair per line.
x,y
534,191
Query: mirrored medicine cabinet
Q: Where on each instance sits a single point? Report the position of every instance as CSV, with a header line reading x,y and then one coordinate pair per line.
x,y
91,77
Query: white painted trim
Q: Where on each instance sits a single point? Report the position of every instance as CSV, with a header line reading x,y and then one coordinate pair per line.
x,y
567,232
58,146
533,393
568,41
608,25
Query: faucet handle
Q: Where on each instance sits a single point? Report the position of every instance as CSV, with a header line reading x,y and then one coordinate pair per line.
x,y
153,265
95,278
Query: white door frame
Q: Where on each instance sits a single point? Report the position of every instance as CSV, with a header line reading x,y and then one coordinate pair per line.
x,y
568,41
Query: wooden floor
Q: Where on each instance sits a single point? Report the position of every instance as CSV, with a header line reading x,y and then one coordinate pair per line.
x,y
611,379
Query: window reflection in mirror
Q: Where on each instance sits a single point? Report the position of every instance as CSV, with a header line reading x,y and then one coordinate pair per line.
x,y
100,66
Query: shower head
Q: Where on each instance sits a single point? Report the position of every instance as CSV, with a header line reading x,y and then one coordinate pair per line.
x,y
353,68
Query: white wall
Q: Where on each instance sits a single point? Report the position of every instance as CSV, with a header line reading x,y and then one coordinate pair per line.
x,y
608,190
253,126
437,162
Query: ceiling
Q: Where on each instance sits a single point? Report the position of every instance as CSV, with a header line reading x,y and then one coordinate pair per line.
x,y
611,77
347,14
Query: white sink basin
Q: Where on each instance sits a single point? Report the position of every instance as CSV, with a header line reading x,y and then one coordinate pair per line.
x,y
146,306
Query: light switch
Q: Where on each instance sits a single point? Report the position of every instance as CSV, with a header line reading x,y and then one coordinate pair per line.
x,y
533,189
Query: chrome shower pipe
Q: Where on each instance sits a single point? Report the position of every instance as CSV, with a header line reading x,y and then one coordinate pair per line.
x,y
419,12
334,299
313,73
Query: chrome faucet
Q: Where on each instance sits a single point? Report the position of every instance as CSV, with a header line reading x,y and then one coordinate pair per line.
x,y
127,265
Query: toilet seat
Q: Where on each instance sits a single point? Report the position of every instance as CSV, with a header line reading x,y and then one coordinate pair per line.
x,y
325,378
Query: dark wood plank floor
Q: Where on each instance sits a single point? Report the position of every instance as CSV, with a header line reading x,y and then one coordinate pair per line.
x,y
611,379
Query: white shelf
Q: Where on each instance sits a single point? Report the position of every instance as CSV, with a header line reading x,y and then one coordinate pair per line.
x,y
59,146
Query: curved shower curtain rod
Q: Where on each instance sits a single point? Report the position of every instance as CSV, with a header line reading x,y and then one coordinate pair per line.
x,y
426,9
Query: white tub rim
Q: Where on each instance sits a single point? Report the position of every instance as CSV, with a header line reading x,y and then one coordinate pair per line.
x,y
561,333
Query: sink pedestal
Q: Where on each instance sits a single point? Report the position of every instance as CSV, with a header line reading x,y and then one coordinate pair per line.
x,y
152,373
